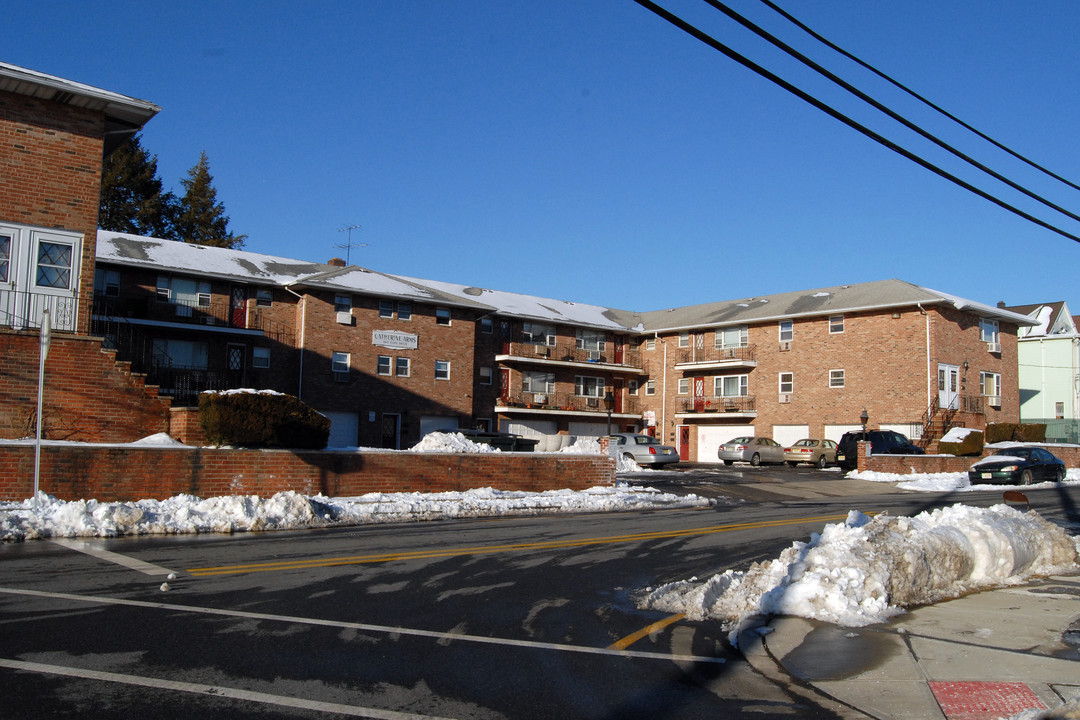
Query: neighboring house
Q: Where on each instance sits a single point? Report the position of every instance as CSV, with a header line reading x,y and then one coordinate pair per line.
x,y
1049,370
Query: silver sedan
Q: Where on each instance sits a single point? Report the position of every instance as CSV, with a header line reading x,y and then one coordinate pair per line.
x,y
754,450
643,450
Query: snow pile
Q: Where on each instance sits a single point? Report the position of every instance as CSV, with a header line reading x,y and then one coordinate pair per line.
x,y
591,446
46,517
866,570
450,443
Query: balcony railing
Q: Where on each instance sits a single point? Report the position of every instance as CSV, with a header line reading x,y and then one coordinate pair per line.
x,y
568,402
195,313
735,404
629,357
21,310
733,355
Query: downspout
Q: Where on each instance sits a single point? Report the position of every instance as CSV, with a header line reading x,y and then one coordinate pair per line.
x,y
663,404
303,326
929,369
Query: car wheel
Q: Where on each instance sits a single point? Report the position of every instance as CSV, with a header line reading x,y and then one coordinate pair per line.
x,y
628,456
792,463
728,462
1061,473
755,460
822,461
1026,478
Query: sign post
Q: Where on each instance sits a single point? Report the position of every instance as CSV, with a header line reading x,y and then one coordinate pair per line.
x,y
46,338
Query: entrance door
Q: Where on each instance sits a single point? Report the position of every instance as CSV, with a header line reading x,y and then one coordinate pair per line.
x,y
684,443
948,386
391,431
699,395
234,365
238,307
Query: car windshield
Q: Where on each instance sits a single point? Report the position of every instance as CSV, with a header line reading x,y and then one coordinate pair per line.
x,y
646,440
1022,453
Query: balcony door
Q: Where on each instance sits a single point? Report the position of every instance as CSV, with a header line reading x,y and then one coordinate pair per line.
x,y
39,269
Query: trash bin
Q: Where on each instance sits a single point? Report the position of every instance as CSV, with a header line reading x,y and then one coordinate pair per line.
x,y
524,444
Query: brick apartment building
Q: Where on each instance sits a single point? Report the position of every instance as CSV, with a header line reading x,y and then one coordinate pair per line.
x,y
390,358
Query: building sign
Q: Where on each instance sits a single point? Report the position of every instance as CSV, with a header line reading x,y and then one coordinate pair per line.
x,y
650,418
393,339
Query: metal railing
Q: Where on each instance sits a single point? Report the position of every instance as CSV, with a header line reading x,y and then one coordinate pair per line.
x,y
714,404
629,357
734,355
568,402
195,312
21,310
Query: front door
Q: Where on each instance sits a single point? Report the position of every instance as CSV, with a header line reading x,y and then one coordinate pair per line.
x,y
391,431
684,443
238,307
948,386
234,365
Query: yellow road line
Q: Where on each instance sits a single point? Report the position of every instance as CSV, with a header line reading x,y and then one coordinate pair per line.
x,y
647,630
490,549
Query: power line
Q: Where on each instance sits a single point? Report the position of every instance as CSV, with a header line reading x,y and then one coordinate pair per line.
x,y
914,94
772,77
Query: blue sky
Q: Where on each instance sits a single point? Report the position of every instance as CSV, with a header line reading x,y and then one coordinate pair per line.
x,y
588,150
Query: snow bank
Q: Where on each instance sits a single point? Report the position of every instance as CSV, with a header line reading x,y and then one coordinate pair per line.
x,y
450,443
866,570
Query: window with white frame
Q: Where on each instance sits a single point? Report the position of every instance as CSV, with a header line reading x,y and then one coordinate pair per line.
x,y
731,386
684,386
260,357
442,369
684,339
990,385
787,383
732,337
650,387
343,303
533,381
587,386
184,293
264,297
650,344
339,362
837,378
386,308
54,262
106,281
401,367
988,331
486,326
442,316
593,340
787,330
486,376
404,311
1059,410
538,333
383,365
632,387
836,324
5,257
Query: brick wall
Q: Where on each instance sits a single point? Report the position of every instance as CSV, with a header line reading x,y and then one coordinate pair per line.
x,y
906,464
88,396
129,473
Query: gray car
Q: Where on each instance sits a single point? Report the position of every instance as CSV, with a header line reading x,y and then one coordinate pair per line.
x,y
643,450
754,450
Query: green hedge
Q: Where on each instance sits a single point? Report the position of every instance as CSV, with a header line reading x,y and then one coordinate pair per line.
x,y
262,419
1015,432
972,444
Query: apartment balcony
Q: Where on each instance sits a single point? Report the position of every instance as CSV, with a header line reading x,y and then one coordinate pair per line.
x,y
564,404
714,358
21,310
203,313
621,360
716,408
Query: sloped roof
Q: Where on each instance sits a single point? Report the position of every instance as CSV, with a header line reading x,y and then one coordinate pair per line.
x,y
1051,318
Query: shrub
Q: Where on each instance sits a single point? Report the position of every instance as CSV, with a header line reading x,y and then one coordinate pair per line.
x,y
971,444
1015,432
262,419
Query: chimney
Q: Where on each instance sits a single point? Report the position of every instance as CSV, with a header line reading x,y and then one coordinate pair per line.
x,y
1001,303
336,262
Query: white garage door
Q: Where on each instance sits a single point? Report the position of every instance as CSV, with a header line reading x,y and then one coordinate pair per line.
x,y
712,437
344,429
529,428
584,429
437,423
788,435
835,432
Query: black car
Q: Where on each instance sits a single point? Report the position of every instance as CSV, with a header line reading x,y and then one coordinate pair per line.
x,y
882,442
1017,466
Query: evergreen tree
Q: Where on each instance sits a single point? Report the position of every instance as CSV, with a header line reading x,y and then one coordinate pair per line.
x,y
132,199
201,219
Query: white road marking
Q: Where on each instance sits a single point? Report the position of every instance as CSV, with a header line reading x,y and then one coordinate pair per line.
x,y
451,636
96,550
213,690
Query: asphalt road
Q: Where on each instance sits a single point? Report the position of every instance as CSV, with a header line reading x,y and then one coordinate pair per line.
x,y
500,618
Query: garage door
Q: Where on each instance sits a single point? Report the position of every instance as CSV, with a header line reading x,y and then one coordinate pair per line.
x,y
437,423
788,435
584,429
835,432
530,428
711,438
344,429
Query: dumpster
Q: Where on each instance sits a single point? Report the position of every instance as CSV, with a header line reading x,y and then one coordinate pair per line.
x,y
507,442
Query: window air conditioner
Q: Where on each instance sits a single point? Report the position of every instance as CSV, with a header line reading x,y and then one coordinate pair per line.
x,y
993,400
785,346
540,398
344,317
592,402
594,355
994,347
785,397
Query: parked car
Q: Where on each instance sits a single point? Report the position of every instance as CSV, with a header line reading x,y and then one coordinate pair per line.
x,y
643,449
754,450
882,442
1017,466
811,450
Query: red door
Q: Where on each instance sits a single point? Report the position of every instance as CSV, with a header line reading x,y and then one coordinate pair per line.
x,y
699,395
238,307
684,443
504,384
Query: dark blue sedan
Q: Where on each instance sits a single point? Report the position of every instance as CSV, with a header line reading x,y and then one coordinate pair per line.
x,y
1017,466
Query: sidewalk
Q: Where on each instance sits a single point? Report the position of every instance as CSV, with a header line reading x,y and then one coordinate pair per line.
x,y
988,655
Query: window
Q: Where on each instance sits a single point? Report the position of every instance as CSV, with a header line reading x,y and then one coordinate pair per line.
x,y
404,311
684,339
401,366
988,331
586,386
1059,410
732,386
537,382
54,265
632,387
106,282
836,378
650,344
486,325
260,357
184,293
990,384
386,308
264,297
442,316
787,330
650,387
836,324
180,354
442,369
684,386
339,362
590,340
486,376
732,337
5,257
382,365
538,333
787,383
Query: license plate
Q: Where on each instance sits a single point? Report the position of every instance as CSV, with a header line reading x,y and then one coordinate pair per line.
x,y
987,476
668,452
839,458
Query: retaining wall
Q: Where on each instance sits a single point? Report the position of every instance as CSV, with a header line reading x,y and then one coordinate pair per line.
x,y
908,464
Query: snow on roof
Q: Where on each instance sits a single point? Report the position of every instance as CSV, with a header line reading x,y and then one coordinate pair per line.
x,y
983,310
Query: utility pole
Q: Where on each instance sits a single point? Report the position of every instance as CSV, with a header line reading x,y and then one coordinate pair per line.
x,y
348,246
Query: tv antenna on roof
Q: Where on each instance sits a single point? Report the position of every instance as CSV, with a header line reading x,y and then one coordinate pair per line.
x,y
349,245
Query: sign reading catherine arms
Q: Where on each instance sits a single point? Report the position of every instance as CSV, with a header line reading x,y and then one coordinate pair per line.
x,y
394,340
